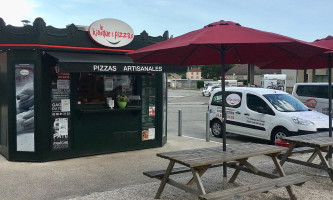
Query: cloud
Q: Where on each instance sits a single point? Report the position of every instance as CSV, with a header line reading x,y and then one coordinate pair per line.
x,y
14,11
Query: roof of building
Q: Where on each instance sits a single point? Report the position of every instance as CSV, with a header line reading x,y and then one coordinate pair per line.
x,y
242,70
194,70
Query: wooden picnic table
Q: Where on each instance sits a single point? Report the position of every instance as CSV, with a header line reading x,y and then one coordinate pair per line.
x,y
318,142
198,161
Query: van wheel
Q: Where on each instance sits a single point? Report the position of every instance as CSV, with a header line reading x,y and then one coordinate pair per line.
x,y
278,134
217,128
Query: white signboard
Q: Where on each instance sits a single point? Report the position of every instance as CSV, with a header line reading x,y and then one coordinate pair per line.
x,y
111,32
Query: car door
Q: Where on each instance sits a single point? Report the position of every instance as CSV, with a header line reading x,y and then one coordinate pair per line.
x,y
258,116
233,110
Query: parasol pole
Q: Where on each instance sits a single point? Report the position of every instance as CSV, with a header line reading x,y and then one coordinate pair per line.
x,y
330,106
224,116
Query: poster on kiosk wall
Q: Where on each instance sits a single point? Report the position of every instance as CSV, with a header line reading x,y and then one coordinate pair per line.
x,y
25,112
61,108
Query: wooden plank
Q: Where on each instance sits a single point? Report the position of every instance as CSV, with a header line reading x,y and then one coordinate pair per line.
x,y
286,155
248,165
325,163
198,157
183,187
164,180
234,176
312,140
160,173
281,172
312,157
201,171
260,173
255,188
198,181
178,170
300,162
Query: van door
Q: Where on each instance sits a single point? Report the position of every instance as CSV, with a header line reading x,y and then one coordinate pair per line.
x,y
234,111
258,116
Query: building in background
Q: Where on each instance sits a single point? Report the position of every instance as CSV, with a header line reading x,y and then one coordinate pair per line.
x,y
193,74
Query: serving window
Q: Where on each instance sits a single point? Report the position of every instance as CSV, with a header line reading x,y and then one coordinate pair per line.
x,y
95,88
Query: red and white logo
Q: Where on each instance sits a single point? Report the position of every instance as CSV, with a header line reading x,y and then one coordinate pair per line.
x,y
233,99
311,103
111,32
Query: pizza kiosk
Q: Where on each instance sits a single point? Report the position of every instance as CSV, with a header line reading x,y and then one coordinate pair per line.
x,y
62,91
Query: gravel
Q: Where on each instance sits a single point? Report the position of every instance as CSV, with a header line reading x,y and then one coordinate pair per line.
x,y
317,188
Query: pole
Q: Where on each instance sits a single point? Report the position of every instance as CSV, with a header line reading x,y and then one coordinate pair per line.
x,y
248,75
305,77
330,106
180,123
207,127
224,119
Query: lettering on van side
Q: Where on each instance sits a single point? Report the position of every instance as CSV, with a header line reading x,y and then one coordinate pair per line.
x,y
255,121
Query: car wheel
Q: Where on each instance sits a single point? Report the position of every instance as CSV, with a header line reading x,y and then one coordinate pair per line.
x,y
217,128
209,94
278,134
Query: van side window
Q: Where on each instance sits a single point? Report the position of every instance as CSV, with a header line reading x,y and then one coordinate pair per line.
x,y
318,91
234,99
308,90
253,102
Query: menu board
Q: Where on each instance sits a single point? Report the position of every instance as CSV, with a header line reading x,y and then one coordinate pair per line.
x,y
60,101
148,107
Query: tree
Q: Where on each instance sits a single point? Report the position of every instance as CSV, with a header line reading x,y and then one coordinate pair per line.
x,y
211,71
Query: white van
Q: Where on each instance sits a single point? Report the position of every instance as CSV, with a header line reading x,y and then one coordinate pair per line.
x,y
208,90
263,113
313,95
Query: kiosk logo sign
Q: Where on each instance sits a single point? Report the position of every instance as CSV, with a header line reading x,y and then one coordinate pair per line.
x,y
111,32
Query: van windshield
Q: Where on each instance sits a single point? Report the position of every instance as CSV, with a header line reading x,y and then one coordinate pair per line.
x,y
285,103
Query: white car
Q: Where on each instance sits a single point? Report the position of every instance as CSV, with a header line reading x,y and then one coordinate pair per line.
x,y
313,95
263,113
208,90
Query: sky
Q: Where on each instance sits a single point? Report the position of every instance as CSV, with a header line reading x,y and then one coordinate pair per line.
x,y
306,20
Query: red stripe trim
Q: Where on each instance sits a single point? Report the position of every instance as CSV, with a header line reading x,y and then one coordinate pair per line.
x,y
63,47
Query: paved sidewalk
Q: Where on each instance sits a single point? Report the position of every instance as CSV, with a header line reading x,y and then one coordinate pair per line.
x,y
118,176
78,177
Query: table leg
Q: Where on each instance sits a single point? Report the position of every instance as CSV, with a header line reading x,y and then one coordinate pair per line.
x,y
201,171
164,179
325,163
286,155
198,181
234,176
281,172
312,157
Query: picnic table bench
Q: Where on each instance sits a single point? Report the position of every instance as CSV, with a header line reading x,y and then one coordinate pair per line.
x,y
315,143
198,161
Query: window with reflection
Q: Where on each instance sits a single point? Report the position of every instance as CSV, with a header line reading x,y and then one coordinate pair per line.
x,y
95,88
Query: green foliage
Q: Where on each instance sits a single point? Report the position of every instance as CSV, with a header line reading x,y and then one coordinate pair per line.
x,y
214,79
200,84
122,97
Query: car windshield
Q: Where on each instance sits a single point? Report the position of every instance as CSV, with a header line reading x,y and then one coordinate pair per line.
x,y
285,103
